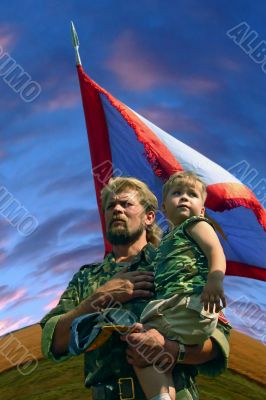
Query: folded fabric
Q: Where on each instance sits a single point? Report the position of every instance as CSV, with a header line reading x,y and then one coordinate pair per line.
x,y
91,331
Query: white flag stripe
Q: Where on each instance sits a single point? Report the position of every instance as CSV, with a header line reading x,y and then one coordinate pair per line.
x,y
191,159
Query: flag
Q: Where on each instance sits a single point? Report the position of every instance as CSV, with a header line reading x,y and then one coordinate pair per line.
x,y
124,143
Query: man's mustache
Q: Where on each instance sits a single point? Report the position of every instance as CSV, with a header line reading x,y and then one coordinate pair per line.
x,y
117,219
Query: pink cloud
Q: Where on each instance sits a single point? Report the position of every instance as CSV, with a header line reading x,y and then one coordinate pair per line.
x,y
229,64
53,303
2,154
59,102
197,85
8,325
8,297
133,66
2,256
49,291
4,242
170,119
7,38
8,103
85,227
137,70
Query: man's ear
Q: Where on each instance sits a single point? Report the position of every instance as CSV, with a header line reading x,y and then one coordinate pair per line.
x,y
163,208
149,218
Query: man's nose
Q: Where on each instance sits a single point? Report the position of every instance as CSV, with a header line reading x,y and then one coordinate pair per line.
x,y
118,208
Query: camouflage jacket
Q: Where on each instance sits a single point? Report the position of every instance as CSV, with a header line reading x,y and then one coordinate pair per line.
x,y
180,264
109,361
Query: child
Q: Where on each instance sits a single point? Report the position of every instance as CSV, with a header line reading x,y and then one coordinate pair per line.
x,y
189,272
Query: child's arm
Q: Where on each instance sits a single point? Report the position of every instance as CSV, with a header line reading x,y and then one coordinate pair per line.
x,y
205,236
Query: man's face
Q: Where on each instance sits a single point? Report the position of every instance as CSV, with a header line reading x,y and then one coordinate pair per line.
x,y
125,217
183,202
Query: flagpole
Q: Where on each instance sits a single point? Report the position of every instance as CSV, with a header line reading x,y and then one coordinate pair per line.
x,y
75,41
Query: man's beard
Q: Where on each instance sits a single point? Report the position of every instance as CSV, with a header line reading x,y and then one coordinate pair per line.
x,y
122,236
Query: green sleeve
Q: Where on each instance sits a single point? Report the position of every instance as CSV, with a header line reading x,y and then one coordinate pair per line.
x,y
219,365
68,301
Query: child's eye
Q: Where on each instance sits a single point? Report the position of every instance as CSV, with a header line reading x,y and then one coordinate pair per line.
x,y
193,194
177,192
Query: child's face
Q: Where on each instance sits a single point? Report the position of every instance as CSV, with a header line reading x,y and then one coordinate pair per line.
x,y
183,201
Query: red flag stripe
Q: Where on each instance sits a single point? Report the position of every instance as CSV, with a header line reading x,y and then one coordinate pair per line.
x,y
245,270
100,150
225,196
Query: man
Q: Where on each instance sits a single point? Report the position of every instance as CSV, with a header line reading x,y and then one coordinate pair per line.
x,y
125,277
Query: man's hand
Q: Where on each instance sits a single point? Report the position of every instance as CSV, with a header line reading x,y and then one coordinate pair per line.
x,y
213,293
147,347
150,347
125,286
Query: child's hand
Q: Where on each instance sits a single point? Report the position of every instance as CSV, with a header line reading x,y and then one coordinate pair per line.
x,y
213,295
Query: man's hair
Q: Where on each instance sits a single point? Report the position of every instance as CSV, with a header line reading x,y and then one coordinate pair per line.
x,y
146,198
185,178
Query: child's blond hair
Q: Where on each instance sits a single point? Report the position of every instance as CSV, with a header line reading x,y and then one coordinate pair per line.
x,y
185,178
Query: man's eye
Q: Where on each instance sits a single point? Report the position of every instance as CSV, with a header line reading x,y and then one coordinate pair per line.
x,y
127,204
109,206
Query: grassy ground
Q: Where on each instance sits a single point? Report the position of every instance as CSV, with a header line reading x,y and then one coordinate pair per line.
x,y
65,382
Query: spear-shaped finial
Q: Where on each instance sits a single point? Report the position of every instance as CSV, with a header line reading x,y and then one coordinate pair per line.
x,y
75,41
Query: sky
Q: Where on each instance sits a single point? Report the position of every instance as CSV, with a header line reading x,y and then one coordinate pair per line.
x,y
173,62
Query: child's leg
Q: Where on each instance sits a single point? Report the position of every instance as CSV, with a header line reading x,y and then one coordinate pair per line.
x,y
155,384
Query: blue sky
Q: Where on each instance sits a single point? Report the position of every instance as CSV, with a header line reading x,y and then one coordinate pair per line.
x,y
171,61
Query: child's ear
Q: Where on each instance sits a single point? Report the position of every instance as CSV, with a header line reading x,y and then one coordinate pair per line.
x,y
202,213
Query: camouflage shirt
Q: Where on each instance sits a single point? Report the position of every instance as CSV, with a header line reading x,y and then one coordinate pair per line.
x,y
180,265
109,361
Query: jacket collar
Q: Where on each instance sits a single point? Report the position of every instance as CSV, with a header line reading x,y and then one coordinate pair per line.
x,y
147,253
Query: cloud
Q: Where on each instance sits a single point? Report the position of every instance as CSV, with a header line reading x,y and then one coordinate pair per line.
x,y
54,95
2,255
49,291
70,261
9,325
2,154
45,239
170,118
60,101
91,224
53,303
229,64
54,290
137,69
196,85
134,67
8,38
70,183
5,239
60,89
8,295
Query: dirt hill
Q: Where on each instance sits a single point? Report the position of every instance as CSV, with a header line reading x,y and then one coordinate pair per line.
x,y
52,381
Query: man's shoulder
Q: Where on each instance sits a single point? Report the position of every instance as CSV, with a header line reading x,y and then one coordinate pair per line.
x,y
85,271
90,266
